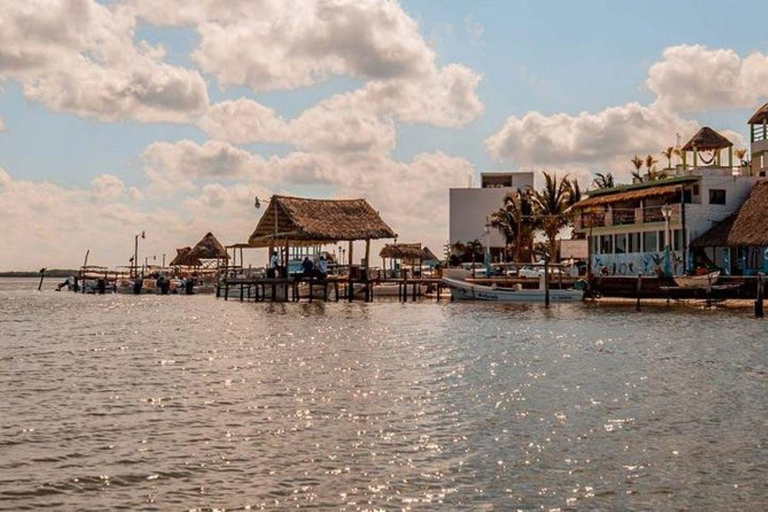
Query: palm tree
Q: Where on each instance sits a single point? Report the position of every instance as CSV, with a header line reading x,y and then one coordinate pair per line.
x,y
603,181
668,154
638,163
551,203
741,154
515,220
650,163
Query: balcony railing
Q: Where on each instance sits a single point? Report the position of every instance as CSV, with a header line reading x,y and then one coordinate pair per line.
x,y
623,217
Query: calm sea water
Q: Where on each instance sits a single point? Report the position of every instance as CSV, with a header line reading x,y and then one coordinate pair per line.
x,y
123,402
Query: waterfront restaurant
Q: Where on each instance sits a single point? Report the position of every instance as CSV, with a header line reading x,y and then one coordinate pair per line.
x,y
648,226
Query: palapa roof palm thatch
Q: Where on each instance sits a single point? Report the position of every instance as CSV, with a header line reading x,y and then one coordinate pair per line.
x,y
746,228
750,229
760,116
717,236
630,195
429,255
707,139
402,251
185,258
304,221
209,248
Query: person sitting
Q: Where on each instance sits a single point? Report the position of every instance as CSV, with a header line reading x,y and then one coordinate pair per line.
x,y
322,267
307,266
274,263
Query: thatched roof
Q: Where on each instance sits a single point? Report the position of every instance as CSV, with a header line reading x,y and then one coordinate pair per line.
x,y
760,116
750,229
184,258
707,139
402,251
209,248
304,221
717,236
429,255
630,195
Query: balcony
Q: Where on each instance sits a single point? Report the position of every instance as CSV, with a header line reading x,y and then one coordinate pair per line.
x,y
625,217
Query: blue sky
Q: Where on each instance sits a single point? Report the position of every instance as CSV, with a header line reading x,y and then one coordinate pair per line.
x,y
550,59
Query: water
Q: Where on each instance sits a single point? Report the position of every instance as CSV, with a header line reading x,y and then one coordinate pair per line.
x,y
123,402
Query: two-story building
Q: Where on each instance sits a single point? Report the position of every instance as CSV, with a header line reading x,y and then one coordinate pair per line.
x,y
648,226
470,208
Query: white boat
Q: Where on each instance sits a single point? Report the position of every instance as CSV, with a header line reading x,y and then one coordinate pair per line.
x,y
698,282
464,290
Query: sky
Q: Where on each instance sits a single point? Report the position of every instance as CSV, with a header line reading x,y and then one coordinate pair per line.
x,y
170,117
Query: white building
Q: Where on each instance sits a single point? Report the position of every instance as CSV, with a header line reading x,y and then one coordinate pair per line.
x,y
471,207
632,228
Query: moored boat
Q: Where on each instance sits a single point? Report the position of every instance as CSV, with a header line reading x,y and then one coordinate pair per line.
x,y
698,282
465,290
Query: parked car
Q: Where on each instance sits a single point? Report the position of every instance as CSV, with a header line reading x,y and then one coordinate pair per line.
x,y
537,271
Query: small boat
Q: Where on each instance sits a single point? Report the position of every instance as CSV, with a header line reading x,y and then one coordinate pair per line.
x,y
464,290
697,282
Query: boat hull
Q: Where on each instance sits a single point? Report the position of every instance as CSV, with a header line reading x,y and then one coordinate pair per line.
x,y
463,290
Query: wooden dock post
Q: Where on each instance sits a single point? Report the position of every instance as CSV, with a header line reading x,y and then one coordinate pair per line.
x,y
226,290
546,282
760,294
242,292
639,288
351,287
42,276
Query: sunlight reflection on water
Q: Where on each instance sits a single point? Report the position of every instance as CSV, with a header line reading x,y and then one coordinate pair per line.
x,y
191,403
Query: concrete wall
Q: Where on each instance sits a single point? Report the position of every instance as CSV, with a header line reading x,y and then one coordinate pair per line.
x,y
470,208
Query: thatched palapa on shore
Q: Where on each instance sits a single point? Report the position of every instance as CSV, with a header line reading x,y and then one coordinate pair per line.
x,y
318,221
209,248
185,258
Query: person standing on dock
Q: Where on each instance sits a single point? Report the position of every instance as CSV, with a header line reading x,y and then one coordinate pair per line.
x,y
274,263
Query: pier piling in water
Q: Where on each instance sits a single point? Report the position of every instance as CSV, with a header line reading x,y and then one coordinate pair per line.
x,y
760,294
639,288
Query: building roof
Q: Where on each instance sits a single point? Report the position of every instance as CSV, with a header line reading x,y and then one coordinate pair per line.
x,y
402,251
746,228
750,229
305,221
760,116
429,255
717,236
629,195
184,258
209,248
707,139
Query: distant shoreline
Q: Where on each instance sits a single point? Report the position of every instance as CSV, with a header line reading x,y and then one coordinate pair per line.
x,y
54,272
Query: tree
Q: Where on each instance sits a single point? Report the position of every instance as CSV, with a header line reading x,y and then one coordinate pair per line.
x,y
603,181
551,203
515,219
650,163
668,155
638,163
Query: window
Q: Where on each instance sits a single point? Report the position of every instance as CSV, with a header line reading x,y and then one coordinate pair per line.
x,y
633,243
687,196
596,244
649,241
696,189
662,242
621,243
716,196
606,244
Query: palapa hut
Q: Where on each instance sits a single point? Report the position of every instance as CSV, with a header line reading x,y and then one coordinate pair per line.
x,y
408,254
296,221
707,140
209,249
184,258
742,237
429,258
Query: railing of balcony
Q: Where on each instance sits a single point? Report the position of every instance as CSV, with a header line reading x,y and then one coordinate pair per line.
x,y
625,216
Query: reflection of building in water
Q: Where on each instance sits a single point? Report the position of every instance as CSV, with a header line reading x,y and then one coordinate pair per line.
x,y
679,210
471,207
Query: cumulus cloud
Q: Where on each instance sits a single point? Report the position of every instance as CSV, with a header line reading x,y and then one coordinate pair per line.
x,y
79,56
694,78
177,165
2,125
299,43
107,187
607,138
243,121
